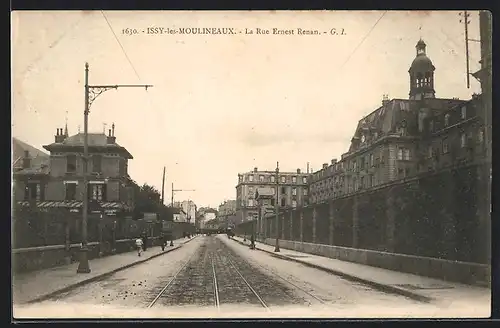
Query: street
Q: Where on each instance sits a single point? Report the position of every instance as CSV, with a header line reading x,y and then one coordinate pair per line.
x,y
217,276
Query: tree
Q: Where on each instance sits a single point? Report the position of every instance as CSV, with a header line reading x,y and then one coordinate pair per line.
x,y
147,199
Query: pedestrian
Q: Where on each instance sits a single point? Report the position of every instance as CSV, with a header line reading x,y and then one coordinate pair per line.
x,y
138,244
252,242
144,241
163,241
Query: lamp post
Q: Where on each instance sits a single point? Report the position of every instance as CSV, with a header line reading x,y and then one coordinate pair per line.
x,y
277,247
91,93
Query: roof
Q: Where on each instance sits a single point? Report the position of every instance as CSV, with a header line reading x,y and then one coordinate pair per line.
x,y
386,119
421,63
38,157
94,140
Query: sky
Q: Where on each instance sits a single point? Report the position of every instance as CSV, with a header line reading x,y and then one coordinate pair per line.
x,y
223,104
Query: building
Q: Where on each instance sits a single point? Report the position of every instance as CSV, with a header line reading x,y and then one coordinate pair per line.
x,y
189,208
293,190
179,215
227,213
21,150
60,184
404,137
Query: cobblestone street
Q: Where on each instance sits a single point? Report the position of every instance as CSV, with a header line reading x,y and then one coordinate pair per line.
x,y
221,277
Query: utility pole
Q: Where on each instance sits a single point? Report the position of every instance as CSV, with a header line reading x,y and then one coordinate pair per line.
x,y
277,209
172,202
163,188
465,18
91,93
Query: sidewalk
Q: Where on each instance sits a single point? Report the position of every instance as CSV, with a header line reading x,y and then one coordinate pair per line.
x,y
39,285
419,288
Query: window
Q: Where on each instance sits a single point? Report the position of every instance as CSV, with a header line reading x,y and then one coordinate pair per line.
x,y
445,146
305,192
371,160
240,178
429,153
250,178
283,190
463,140
71,163
294,179
373,182
96,163
447,120
354,165
71,191
294,191
283,202
273,179
406,154
400,153
294,203
272,202
261,178
250,190
464,112
480,136
362,182
33,191
304,180
97,192
250,202
355,184
274,190
283,179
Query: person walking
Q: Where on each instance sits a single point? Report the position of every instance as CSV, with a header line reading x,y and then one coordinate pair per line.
x,y
138,244
252,241
144,241
163,241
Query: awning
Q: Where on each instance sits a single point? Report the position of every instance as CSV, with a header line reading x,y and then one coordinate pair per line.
x,y
74,204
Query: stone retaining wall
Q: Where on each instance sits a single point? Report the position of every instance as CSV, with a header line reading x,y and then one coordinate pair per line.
x,y
462,272
37,258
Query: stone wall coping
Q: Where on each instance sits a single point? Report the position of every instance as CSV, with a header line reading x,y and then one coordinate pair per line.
x,y
359,250
54,247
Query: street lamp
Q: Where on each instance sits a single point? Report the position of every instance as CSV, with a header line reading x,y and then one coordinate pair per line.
x,y
277,247
91,93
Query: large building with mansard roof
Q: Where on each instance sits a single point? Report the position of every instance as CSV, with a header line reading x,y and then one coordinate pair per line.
x,y
403,138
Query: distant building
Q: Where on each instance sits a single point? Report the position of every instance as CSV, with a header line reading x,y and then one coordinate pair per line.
x,y
189,207
404,137
293,190
227,213
179,215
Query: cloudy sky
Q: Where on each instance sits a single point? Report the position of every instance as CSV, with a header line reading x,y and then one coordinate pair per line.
x,y
223,104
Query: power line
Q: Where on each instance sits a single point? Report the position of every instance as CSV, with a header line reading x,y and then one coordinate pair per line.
x,y
364,38
121,46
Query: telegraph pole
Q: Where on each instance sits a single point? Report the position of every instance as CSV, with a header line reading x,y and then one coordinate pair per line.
x,y
163,187
172,202
91,93
277,246
466,25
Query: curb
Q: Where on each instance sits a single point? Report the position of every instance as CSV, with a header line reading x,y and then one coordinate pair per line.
x,y
373,284
101,276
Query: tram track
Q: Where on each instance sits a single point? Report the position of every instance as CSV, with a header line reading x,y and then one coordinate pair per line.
x,y
217,266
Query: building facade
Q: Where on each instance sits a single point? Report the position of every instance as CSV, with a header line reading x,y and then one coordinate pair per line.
x,y
293,190
189,208
60,184
403,138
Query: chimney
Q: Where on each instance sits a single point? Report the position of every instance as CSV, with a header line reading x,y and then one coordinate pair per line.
x,y
325,166
334,161
59,137
255,169
307,167
111,138
26,160
385,99
298,171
